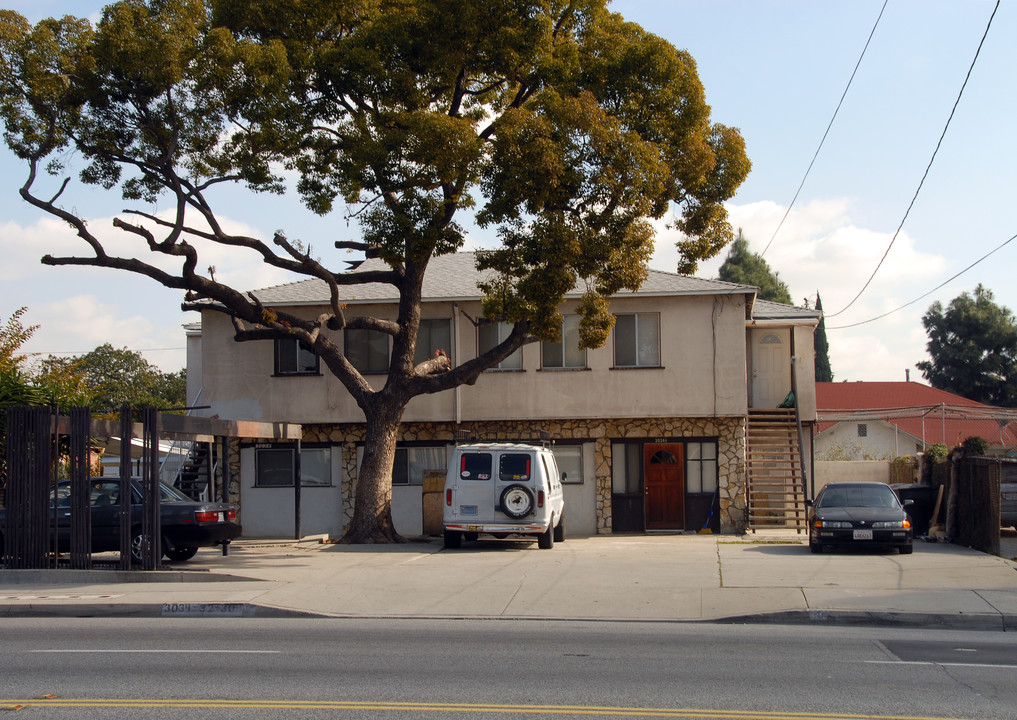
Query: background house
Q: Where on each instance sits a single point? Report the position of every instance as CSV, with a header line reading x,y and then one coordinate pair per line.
x,y
865,425
651,429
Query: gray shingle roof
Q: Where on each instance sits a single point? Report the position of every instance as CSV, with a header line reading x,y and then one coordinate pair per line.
x,y
455,277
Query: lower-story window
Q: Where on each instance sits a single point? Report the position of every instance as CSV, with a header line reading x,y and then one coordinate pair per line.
x,y
701,467
276,467
412,462
570,462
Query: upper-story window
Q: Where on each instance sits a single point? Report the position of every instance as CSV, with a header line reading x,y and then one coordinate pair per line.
x,y
367,350
567,353
432,336
637,340
489,336
294,357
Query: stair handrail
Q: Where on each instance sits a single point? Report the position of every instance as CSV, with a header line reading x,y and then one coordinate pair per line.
x,y
179,449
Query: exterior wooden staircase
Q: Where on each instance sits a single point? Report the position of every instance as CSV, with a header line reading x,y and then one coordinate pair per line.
x,y
776,497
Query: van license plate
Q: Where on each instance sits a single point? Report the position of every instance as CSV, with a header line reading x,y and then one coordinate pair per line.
x,y
468,510
863,535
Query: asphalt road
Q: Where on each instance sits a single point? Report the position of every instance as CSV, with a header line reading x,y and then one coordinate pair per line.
x,y
356,668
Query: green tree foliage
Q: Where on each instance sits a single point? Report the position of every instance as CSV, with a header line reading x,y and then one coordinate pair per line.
x,y
113,377
749,268
973,349
824,373
563,129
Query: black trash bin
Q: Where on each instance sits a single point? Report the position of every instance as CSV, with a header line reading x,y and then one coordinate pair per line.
x,y
924,497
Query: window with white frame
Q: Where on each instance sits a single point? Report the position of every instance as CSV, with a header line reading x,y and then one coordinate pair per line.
x,y
275,467
367,350
412,462
570,462
701,467
637,340
294,357
432,336
492,335
565,354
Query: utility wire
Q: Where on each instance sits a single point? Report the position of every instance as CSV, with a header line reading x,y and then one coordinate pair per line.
x,y
948,280
837,110
927,168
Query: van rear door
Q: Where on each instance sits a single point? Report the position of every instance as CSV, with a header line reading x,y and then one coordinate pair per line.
x,y
474,498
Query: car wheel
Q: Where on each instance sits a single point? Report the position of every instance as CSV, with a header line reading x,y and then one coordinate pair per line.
x,y
453,539
181,553
545,541
906,549
138,542
516,501
816,548
471,536
559,529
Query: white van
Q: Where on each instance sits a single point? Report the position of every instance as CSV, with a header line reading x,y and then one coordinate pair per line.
x,y
503,489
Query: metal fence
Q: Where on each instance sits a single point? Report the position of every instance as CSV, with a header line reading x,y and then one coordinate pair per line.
x,y
44,518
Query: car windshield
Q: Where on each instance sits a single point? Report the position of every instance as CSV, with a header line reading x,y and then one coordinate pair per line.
x,y
875,496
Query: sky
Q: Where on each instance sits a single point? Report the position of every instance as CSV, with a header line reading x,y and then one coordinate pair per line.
x,y
775,69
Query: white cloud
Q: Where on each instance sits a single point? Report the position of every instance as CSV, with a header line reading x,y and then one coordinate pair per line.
x,y
819,248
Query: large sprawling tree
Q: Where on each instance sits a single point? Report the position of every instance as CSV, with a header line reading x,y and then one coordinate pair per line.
x,y
972,348
555,123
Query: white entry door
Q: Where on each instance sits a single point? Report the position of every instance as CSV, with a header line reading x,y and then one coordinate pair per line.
x,y
771,366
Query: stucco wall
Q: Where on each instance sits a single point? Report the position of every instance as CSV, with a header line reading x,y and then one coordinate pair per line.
x,y
702,373
851,471
881,441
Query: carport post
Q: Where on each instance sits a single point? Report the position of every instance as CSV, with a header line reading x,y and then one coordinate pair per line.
x,y
296,493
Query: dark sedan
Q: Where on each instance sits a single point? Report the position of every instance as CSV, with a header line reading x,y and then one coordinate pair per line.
x,y
861,514
186,525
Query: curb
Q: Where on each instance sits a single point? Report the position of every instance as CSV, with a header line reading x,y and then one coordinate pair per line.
x,y
150,610
1000,622
990,622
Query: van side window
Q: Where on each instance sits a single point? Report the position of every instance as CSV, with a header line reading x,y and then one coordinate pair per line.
x,y
514,466
551,472
475,466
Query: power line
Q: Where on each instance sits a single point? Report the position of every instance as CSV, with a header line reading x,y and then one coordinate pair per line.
x,y
927,168
948,280
837,110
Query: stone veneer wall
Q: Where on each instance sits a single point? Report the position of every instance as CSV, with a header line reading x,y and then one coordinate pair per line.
x,y
730,434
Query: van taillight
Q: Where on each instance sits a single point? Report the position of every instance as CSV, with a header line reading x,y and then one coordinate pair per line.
x,y
448,497
540,498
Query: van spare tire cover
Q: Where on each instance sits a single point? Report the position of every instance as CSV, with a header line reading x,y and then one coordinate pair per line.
x,y
517,501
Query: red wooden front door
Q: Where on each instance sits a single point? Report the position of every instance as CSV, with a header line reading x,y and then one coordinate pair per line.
x,y
664,475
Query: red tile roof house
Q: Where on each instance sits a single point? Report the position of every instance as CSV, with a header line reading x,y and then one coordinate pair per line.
x,y
879,421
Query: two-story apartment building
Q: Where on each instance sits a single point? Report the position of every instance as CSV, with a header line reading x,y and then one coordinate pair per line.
x,y
650,429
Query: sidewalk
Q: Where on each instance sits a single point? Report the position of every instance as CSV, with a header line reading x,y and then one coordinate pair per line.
x,y
754,578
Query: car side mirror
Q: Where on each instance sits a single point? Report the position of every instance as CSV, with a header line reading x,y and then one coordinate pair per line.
x,y
564,477
809,503
907,502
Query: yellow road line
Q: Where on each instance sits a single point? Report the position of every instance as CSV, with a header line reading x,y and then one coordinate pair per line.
x,y
364,705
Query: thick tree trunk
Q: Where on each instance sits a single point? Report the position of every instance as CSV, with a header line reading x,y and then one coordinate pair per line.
x,y
372,508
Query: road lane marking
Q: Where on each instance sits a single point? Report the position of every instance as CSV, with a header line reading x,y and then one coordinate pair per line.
x,y
941,664
431,707
158,651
